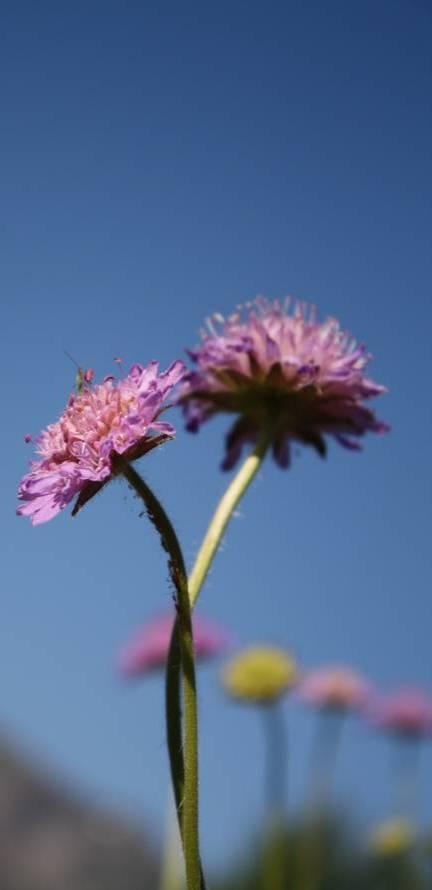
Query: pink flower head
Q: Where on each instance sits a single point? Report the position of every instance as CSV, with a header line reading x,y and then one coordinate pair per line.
x,y
406,712
88,375
337,688
78,453
148,648
281,370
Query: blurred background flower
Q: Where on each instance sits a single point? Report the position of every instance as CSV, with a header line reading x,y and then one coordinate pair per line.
x,y
406,716
259,674
334,691
392,838
147,649
334,687
406,712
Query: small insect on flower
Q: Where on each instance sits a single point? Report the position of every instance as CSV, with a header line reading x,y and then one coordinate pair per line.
x,y
83,377
28,438
102,428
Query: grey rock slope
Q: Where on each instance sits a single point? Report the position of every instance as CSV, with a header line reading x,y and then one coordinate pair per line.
x,y
50,840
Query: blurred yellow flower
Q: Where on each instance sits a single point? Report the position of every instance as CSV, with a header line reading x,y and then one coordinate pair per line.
x,y
259,674
392,838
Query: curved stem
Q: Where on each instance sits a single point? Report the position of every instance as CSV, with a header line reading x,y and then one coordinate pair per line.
x,y
221,517
173,719
183,645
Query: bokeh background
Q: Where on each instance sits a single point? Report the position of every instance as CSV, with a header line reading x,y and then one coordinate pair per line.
x,y
161,162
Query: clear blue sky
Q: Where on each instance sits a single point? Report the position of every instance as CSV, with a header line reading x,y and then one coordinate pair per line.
x,y
161,162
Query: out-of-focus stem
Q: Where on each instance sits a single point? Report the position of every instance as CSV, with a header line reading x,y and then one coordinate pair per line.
x,y
274,873
276,742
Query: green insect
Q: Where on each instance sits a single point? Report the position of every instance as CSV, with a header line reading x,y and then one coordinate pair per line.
x,y
83,376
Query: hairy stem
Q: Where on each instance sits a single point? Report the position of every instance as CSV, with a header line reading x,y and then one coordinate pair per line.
x,y
185,771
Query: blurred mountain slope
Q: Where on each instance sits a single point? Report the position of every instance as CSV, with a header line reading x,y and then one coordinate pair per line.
x,y
51,840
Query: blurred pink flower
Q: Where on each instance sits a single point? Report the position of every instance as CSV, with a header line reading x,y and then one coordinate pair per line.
x,y
338,688
147,650
78,452
281,369
406,711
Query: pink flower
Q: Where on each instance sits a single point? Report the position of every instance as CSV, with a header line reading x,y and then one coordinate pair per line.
x,y
407,712
78,453
285,371
338,688
148,648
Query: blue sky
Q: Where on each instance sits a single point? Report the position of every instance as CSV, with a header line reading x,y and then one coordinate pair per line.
x,y
159,163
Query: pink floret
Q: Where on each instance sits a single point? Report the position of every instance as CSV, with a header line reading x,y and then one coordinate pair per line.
x,y
281,369
147,650
78,452
336,687
407,711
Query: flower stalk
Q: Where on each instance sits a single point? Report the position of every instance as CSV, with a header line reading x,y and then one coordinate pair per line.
x,y
221,517
223,513
185,766
276,742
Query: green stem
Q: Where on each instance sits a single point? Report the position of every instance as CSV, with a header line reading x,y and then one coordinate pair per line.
x,y
312,848
276,743
183,641
173,718
221,517
223,514
327,740
275,840
406,752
